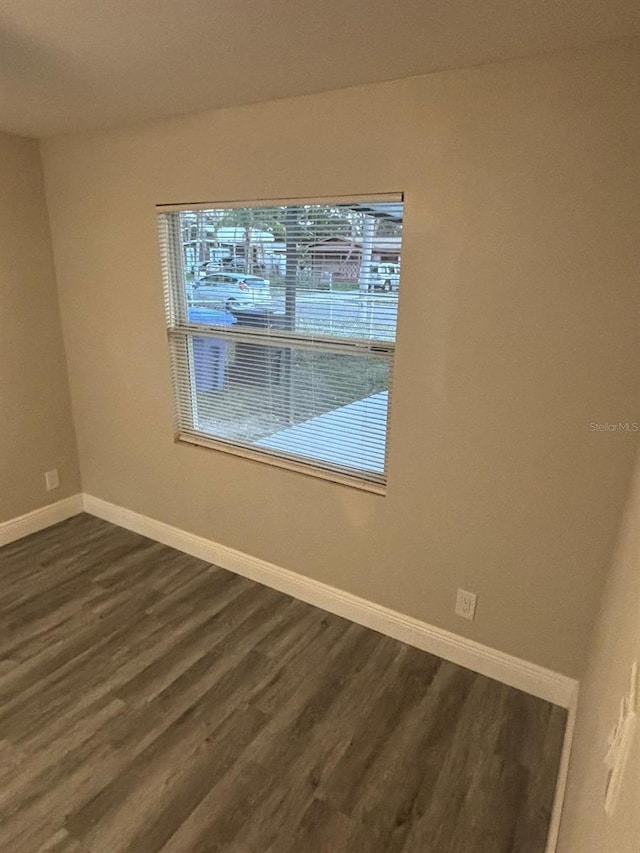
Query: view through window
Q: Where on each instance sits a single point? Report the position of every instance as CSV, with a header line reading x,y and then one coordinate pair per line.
x,y
282,328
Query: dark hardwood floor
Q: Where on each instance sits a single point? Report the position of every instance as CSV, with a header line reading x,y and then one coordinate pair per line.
x,y
150,701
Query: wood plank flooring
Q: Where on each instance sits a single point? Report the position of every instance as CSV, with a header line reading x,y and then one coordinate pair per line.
x,y
150,701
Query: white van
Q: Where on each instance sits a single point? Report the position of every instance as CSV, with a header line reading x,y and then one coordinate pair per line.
x,y
385,276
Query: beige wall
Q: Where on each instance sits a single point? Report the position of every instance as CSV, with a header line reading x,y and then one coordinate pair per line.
x,y
518,327
36,431
616,644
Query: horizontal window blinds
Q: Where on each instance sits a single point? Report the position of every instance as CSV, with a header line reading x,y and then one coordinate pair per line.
x,y
282,327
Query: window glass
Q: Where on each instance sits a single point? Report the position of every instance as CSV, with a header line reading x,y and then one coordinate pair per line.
x,y
286,352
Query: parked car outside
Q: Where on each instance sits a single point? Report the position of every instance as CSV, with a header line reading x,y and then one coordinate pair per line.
x,y
385,277
231,290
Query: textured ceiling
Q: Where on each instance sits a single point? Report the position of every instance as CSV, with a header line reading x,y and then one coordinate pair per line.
x,y
68,65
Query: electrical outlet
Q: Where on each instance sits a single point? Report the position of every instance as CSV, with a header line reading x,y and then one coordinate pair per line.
x,y
620,742
466,604
52,479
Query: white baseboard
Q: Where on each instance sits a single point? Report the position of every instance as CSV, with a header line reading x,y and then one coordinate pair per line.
x,y
32,522
563,773
513,671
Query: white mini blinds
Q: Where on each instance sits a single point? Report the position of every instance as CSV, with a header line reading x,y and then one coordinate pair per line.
x,y
282,327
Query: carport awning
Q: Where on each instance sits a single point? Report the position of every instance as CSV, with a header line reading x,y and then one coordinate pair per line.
x,y
393,211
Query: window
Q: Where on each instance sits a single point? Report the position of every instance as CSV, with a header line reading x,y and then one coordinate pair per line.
x,y
282,327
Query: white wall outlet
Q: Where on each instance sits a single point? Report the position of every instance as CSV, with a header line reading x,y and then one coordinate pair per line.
x,y
52,479
466,604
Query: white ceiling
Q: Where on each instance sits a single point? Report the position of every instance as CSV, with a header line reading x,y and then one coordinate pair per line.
x,y
68,65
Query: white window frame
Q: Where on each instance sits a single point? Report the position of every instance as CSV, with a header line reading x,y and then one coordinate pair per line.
x,y
180,332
